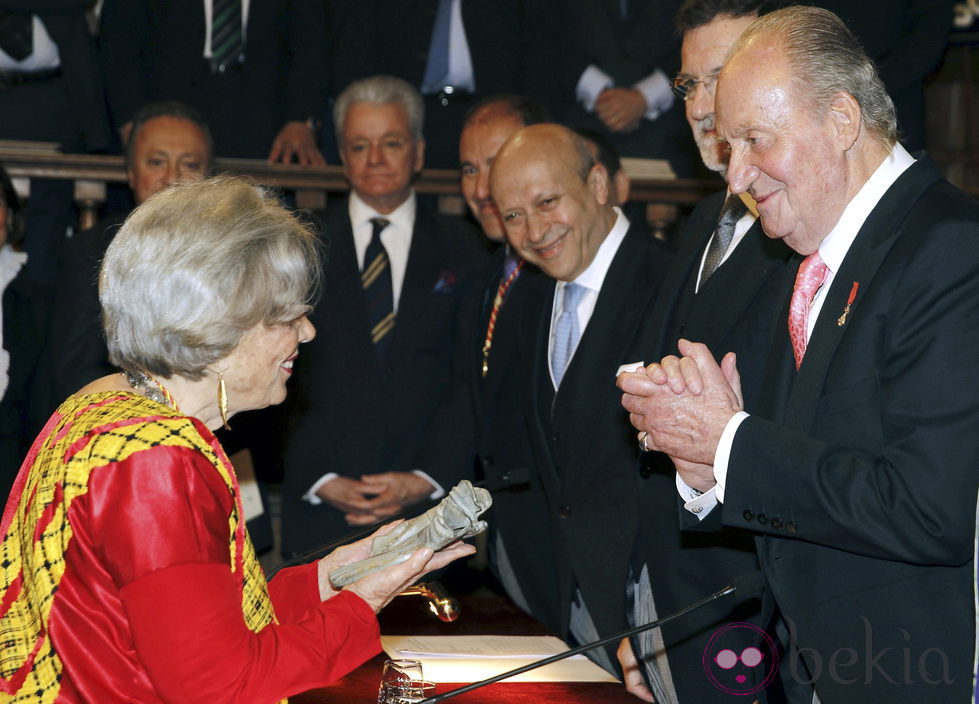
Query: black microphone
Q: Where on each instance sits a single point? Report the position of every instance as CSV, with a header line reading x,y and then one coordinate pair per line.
x,y
508,480
745,586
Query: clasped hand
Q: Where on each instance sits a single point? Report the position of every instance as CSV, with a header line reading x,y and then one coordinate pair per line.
x,y
681,406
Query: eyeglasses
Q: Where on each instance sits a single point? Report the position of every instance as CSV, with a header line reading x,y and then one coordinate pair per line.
x,y
684,86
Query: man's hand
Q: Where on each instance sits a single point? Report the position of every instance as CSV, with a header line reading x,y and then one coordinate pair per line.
x,y
392,492
620,109
351,496
683,404
631,675
296,141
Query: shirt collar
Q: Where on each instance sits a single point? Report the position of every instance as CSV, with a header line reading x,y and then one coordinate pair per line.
x,y
837,243
402,217
594,275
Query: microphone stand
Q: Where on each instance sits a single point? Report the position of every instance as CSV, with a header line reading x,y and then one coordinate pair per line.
x,y
745,583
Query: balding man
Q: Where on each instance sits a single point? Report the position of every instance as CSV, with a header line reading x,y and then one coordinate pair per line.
x,y
857,468
554,202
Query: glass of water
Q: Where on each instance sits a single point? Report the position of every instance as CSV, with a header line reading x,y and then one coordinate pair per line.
x,y
395,678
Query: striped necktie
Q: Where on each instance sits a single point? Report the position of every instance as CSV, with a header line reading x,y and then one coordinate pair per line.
x,y
378,289
227,39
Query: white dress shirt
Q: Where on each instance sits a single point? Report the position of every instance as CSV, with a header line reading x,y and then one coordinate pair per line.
x,y
832,250
396,237
591,279
45,55
460,74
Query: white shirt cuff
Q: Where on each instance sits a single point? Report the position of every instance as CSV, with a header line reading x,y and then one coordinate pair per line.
x,y
311,495
696,502
439,491
655,88
722,455
591,84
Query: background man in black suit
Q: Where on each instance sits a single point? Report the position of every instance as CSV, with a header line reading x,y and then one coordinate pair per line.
x,y
618,60
858,468
493,382
260,82
720,290
50,91
554,201
383,362
490,52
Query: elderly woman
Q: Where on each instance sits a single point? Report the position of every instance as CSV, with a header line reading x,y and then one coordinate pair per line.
x,y
126,573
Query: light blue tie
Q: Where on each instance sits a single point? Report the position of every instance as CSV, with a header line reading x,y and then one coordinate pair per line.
x,y
566,332
438,52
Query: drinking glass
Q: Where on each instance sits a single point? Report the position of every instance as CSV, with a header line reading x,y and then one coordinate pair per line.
x,y
413,692
396,676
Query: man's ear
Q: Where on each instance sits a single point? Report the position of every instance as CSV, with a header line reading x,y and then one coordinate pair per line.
x,y
598,182
846,117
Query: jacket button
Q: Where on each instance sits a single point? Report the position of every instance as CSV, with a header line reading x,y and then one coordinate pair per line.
x,y
762,519
488,459
564,511
747,514
556,438
791,527
777,523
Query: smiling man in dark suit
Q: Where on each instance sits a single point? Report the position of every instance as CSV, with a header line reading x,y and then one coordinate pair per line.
x,y
720,290
857,467
393,279
554,202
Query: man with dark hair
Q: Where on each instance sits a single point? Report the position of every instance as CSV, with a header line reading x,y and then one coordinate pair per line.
x,y
606,155
718,290
169,142
856,469
382,364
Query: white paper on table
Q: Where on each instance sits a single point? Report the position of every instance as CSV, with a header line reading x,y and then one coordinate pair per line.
x,y
474,658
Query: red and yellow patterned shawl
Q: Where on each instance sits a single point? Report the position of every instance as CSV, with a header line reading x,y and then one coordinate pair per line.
x,y
88,432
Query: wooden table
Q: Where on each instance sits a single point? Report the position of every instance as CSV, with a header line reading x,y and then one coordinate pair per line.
x,y
480,615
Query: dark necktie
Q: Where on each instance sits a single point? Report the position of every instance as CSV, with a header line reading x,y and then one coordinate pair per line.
x,y
732,211
378,290
16,34
226,35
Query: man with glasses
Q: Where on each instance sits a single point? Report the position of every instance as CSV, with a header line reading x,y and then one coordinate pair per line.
x,y
719,290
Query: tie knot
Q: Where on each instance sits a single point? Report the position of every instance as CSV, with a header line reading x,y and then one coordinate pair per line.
x,y
733,209
812,274
378,224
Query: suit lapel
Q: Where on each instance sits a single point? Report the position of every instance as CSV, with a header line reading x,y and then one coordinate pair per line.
x,y
588,386
540,391
862,260
421,275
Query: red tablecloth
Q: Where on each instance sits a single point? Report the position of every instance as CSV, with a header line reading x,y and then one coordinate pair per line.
x,y
480,615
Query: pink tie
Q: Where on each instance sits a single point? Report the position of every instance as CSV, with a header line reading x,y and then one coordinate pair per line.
x,y
812,274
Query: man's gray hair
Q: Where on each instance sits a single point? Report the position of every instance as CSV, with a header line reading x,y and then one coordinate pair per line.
x,y
195,267
826,58
380,89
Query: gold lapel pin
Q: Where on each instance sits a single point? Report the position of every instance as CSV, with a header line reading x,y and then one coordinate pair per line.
x,y
846,310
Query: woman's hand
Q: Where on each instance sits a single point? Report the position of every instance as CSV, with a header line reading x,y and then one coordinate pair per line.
x,y
346,554
379,588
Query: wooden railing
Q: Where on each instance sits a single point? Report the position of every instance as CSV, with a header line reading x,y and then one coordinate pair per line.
x,y
91,173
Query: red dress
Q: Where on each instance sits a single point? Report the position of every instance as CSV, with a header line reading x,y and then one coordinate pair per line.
x,y
127,575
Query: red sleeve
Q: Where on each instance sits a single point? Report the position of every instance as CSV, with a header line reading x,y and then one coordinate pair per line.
x,y
161,519
294,591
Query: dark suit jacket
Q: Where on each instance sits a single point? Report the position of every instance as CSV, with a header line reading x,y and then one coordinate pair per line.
x,y
627,50
584,447
500,441
153,50
859,471
350,415
733,312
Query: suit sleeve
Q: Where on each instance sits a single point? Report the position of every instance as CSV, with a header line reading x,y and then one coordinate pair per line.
x,y
124,32
307,81
901,486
